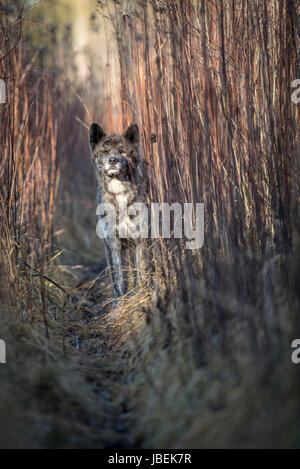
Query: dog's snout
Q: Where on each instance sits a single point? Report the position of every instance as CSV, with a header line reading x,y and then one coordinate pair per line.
x,y
113,160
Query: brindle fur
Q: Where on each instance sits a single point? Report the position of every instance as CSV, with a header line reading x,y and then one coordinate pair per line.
x,y
118,168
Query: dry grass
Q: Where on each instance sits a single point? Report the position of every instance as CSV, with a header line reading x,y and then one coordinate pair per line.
x,y
200,355
213,81
44,398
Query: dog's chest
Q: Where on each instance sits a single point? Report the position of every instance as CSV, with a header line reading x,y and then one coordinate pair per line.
x,y
122,195
117,187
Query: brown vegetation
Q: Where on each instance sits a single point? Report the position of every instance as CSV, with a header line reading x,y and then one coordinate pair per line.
x,y
200,355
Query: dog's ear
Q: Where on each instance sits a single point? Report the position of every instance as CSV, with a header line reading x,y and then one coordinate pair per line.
x,y
96,134
132,134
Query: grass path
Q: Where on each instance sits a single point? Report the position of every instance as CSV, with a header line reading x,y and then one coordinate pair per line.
x,y
89,337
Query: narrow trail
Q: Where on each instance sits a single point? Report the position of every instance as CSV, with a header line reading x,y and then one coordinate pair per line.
x,y
89,333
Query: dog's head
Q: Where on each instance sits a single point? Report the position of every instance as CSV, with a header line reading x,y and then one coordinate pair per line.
x,y
115,155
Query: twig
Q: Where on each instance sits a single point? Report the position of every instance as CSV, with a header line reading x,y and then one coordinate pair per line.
x,y
40,274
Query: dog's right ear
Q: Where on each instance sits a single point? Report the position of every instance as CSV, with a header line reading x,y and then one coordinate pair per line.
x,y
96,134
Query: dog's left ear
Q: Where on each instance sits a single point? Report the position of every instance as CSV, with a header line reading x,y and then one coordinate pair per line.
x,y
132,134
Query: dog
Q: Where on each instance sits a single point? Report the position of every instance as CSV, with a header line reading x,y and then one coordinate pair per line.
x,y
119,171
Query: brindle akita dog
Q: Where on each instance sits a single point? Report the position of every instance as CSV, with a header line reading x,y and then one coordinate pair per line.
x,y
118,167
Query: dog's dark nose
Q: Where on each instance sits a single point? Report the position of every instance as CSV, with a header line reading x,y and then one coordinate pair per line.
x,y
113,160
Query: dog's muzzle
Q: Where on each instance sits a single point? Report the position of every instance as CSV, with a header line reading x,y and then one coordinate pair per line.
x,y
116,166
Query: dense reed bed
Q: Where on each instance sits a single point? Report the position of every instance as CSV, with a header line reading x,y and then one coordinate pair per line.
x,y
43,400
212,80
200,355
28,166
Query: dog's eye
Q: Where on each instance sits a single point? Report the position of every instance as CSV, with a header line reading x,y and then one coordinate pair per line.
x,y
122,150
105,148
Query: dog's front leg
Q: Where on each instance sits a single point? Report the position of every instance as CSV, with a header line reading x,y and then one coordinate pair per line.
x,y
114,254
141,262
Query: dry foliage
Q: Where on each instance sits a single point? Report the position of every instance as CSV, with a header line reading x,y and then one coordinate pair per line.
x,y
200,355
